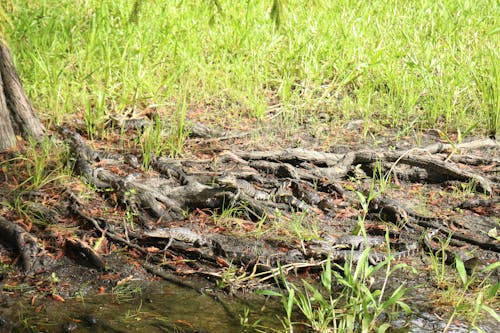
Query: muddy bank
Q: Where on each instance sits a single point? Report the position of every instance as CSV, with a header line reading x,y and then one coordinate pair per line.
x,y
232,216
158,306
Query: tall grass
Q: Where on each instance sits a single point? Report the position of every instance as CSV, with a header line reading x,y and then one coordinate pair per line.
x,y
394,62
357,307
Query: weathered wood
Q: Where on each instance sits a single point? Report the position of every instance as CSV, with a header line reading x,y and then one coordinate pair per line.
x,y
33,256
308,165
266,187
16,113
7,135
397,212
293,156
85,252
440,147
445,169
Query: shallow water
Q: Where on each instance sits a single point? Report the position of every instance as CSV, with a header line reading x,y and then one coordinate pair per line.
x,y
168,308
162,308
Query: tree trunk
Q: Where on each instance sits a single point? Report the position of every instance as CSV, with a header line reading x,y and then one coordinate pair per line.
x,y
16,114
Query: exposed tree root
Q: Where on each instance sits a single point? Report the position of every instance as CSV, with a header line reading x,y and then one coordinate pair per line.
x,y
299,187
33,256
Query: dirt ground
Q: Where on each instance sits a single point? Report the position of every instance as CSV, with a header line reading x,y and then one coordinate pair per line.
x,y
291,197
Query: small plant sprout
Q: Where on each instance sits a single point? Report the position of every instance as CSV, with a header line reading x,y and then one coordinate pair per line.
x,y
438,263
179,130
152,143
95,116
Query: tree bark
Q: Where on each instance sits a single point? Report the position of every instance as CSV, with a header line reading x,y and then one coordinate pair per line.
x,y
16,113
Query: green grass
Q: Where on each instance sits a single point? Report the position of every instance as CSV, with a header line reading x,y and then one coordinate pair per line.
x,y
403,64
356,306
38,164
345,300
406,64
474,298
467,294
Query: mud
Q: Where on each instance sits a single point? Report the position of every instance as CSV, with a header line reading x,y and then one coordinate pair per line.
x,y
258,236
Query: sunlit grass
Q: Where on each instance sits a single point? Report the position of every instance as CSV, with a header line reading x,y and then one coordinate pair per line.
x,y
356,308
37,165
423,63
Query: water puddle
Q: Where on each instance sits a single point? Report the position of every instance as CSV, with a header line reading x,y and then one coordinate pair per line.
x,y
159,308
167,308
